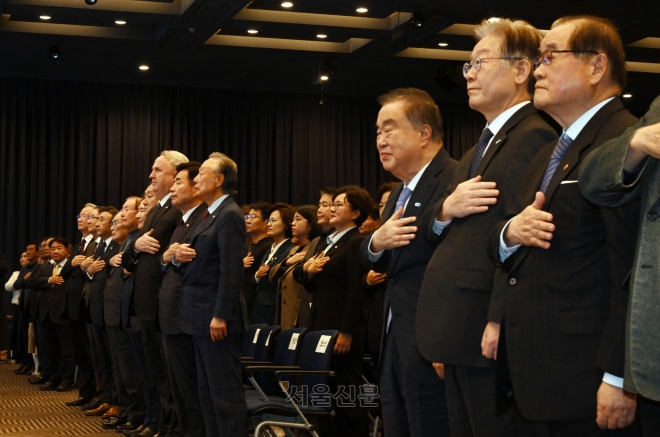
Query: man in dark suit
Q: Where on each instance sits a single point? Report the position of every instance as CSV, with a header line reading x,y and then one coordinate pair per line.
x,y
53,291
181,362
212,307
455,296
75,309
32,254
562,258
622,170
125,370
97,275
409,140
142,258
255,224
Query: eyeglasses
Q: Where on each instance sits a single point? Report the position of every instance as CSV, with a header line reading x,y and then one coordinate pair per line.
x,y
91,217
476,64
114,223
252,217
337,205
84,217
547,56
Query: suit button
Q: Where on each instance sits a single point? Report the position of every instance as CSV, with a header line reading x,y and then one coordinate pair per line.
x,y
513,281
652,216
391,282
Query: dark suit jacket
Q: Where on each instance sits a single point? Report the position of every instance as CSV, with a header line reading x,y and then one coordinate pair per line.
x,y
405,266
455,295
114,289
147,274
99,281
266,290
249,287
169,298
34,296
338,293
75,284
564,312
212,281
22,284
52,296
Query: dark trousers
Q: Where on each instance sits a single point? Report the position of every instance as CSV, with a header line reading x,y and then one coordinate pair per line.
x,y
221,385
47,340
648,414
157,365
66,367
19,340
150,394
131,397
82,356
104,360
410,408
182,370
98,374
471,403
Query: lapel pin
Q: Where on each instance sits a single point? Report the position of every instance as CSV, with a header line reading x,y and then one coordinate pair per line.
x,y
335,247
565,167
498,141
418,204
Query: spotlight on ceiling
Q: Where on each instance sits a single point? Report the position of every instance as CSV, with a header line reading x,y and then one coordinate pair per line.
x,y
329,67
362,10
324,77
443,44
143,67
287,4
417,19
54,52
120,22
253,31
44,17
626,96
91,2
321,36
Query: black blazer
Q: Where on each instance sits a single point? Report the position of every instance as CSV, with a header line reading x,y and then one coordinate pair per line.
x,y
338,293
405,266
114,289
23,284
249,287
99,281
147,273
455,295
212,281
75,284
564,307
169,296
266,290
50,302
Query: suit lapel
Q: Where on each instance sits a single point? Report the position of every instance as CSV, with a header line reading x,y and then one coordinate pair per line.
x,y
160,212
388,211
277,256
205,224
336,246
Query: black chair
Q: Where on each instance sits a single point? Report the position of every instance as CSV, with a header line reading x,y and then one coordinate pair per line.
x,y
305,394
250,341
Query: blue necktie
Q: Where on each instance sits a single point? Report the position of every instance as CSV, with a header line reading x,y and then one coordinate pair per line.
x,y
403,198
560,150
486,135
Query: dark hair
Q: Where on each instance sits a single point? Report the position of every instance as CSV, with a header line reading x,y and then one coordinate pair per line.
x,y
419,107
375,212
308,212
63,241
192,167
387,186
263,207
599,35
32,243
286,212
328,190
109,209
358,199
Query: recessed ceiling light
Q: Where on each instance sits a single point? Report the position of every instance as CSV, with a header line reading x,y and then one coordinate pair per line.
x,y
143,67
362,10
322,36
493,20
626,96
324,77
287,4
443,44
120,22
253,31
44,17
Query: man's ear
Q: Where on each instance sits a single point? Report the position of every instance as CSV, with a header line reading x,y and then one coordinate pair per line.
x,y
523,71
426,134
220,179
600,65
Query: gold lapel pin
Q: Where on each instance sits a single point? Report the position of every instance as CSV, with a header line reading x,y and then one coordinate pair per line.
x,y
565,167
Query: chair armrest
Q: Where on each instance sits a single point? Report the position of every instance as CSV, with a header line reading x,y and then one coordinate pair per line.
x,y
280,373
249,370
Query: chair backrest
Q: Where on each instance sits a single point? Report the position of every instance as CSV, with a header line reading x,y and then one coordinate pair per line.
x,y
288,346
250,340
266,343
315,354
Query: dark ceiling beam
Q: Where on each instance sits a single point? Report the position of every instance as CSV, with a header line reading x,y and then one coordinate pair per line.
x,y
201,20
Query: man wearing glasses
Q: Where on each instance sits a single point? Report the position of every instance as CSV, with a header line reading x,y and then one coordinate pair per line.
x,y
260,244
562,259
453,307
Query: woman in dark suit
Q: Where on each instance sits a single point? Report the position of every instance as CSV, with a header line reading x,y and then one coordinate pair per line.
x,y
304,228
335,277
279,229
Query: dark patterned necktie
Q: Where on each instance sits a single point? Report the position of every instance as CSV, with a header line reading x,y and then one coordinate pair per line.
x,y
560,150
177,232
403,198
83,244
486,135
206,214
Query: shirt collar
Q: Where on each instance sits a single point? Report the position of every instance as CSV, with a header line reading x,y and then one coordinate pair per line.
x,y
413,182
61,263
107,242
216,204
164,200
275,247
499,121
337,235
574,130
88,238
186,216
98,240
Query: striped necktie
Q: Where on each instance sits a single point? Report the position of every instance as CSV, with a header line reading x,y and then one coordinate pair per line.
x,y
560,150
